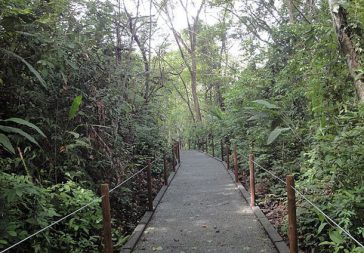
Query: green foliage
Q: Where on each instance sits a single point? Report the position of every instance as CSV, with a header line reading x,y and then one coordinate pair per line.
x,y
58,63
5,142
275,133
30,67
27,208
74,107
4,139
294,107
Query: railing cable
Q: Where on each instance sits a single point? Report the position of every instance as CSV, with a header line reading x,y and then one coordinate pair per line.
x,y
327,217
312,204
52,224
273,175
128,179
74,212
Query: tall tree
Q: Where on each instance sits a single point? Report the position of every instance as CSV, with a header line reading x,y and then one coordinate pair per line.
x,y
189,45
344,35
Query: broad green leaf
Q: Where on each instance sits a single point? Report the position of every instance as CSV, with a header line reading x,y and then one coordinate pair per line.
x,y
75,106
336,237
20,132
258,116
26,123
266,104
320,215
5,142
76,135
216,111
30,67
12,233
275,133
321,227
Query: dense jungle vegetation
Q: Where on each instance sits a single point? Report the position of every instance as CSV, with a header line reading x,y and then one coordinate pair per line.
x,y
91,90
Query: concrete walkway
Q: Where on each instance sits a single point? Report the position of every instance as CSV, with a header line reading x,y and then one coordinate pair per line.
x,y
202,211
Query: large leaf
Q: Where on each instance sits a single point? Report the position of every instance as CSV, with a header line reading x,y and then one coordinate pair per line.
x,y
258,116
336,237
74,107
20,132
217,113
266,104
26,123
275,133
5,142
30,67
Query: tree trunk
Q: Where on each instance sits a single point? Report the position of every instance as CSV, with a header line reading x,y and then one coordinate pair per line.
x,y
196,103
223,38
291,12
339,18
191,50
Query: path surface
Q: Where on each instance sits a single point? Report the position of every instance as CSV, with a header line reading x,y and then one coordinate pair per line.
x,y
202,211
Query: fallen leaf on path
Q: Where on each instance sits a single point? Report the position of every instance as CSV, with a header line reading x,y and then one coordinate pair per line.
x,y
159,248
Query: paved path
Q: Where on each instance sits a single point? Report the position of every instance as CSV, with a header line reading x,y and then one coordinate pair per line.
x,y
202,211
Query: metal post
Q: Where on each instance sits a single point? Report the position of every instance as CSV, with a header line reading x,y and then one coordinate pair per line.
x,y
149,181
236,164
106,219
292,221
227,157
252,180
165,169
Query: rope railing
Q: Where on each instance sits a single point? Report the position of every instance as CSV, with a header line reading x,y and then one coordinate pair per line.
x,y
52,224
289,183
130,178
105,197
72,213
312,204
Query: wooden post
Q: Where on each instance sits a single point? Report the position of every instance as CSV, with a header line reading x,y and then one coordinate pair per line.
x,y
179,153
222,150
292,222
106,219
165,169
212,146
207,144
236,164
149,181
176,152
173,158
227,157
243,175
252,180
189,144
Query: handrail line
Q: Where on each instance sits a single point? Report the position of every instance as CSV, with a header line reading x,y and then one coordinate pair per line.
x,y
312,204
52,224
305,198
76,211
128,179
